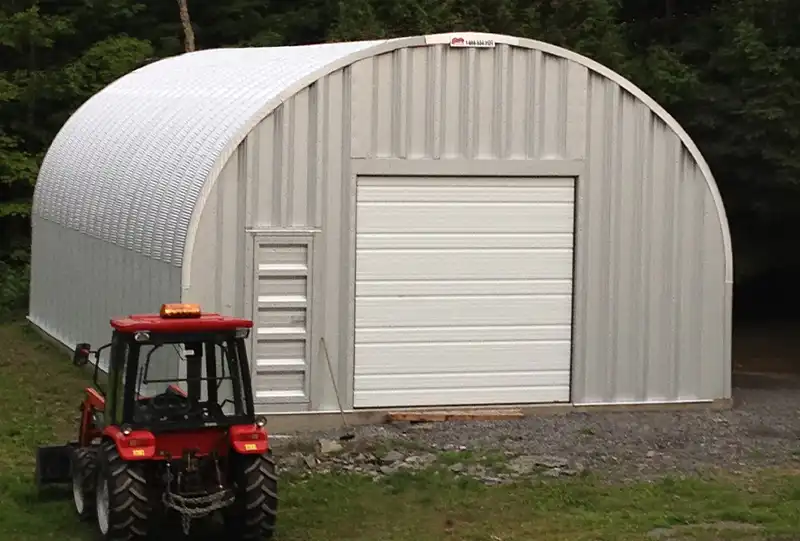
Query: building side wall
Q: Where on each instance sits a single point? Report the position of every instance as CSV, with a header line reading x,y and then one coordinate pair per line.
x,y
651,319
78,283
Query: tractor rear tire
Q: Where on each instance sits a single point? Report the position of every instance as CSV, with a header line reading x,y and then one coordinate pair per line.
x,y
255,510
83,463
122,501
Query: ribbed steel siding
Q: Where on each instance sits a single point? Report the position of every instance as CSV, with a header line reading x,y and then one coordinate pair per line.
x,y
291,172
438,102
78,283
650,292
649,307
648,325
303,176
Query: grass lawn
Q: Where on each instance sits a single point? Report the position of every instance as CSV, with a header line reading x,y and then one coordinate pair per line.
x,y
40,390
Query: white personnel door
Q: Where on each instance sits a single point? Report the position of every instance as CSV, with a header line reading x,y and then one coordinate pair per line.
x,y
463,291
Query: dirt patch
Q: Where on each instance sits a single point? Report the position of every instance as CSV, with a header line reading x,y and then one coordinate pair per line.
x,y
762,431
762,380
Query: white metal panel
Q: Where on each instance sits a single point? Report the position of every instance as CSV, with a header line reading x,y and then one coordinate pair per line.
x,y
459,217
475,306
465,263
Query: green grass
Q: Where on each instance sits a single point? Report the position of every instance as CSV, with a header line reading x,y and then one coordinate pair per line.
x,y
40,390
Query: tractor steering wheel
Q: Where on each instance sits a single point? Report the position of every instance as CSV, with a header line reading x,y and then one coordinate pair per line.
x,y
170,404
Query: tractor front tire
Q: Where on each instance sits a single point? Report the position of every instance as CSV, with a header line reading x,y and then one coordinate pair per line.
x,y
253,515
122,502
83,463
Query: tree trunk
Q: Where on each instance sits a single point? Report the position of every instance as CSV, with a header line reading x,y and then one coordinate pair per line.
x,y
188,32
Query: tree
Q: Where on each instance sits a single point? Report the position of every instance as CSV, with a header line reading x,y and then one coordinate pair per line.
x,y
50,66
186,22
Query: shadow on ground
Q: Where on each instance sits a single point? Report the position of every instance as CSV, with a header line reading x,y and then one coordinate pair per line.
x,y
766,355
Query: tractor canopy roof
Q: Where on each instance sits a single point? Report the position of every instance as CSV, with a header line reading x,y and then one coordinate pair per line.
x,y
179,318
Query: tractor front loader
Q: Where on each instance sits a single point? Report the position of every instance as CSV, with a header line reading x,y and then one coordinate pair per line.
x,y
160,440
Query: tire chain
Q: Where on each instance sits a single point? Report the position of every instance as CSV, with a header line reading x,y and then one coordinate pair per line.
x,y
197,506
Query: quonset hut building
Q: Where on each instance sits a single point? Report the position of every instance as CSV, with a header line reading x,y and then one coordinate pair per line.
x,y
459,219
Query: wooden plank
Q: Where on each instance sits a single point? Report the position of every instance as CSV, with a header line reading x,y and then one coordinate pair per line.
x,y
453,415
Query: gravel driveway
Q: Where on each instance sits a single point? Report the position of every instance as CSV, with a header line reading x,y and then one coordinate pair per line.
x,y
763,429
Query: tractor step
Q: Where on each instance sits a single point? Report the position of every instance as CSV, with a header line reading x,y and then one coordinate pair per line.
x,y
53,464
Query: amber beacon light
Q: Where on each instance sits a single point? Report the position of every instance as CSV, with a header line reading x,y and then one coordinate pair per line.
x,y
180,311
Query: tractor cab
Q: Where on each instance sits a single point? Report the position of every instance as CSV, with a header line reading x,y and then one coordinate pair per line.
x,y
178,370
170,432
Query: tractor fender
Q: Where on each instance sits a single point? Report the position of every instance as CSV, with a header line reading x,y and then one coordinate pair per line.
x,y
136,445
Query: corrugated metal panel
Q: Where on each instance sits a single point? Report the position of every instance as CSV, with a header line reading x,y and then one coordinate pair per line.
x,y
78,283
130,164
439,102
648,259
650,309
461,297
298,178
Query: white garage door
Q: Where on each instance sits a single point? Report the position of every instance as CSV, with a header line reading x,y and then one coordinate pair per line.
x,y
463,291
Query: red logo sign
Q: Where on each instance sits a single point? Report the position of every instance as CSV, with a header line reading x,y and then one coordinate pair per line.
x,y
457,41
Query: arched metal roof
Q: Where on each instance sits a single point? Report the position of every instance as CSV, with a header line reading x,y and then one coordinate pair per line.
x,y
136,163
129,165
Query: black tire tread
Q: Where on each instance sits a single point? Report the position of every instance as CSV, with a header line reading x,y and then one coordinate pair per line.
x,y
128,502
257,498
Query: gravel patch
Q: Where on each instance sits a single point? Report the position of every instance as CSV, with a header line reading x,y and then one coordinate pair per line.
x,y
762,430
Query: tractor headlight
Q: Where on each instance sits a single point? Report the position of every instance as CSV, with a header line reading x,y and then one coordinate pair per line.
x,y
126,430
141,336
261,422
242,333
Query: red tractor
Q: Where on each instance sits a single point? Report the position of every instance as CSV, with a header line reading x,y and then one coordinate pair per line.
x,y
156,440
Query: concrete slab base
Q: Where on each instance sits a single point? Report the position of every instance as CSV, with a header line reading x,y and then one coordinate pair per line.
x,y
284,423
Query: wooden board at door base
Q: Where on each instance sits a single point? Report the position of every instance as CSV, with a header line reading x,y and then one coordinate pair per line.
x,y
463,291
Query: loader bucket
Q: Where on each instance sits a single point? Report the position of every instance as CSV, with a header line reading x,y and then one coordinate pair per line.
x,y
53,465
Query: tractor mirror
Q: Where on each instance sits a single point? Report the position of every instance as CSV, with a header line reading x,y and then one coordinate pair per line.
x,y
81,355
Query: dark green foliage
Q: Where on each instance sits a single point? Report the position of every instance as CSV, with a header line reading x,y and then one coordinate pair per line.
x,y
728,71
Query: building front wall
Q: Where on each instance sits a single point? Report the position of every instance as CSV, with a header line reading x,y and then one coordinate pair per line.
x,y
651,307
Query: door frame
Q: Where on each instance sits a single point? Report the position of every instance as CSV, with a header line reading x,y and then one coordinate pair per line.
x,y
485,168
279,237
